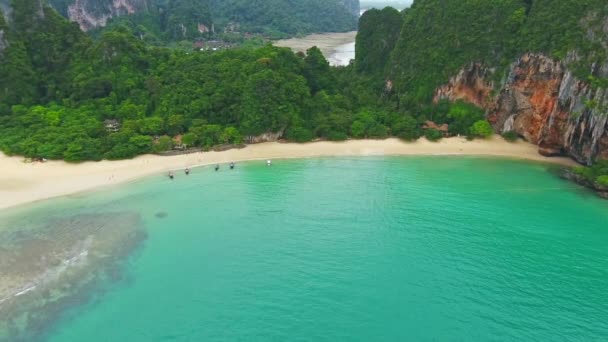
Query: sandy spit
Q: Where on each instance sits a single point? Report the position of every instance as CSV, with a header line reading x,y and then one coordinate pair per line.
x,y
326,42
22,183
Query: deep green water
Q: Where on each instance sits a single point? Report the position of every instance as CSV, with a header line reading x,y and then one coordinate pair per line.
x,y
388,249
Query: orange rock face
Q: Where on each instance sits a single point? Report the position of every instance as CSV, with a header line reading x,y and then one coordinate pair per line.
x,y
530,99
470,85
542,102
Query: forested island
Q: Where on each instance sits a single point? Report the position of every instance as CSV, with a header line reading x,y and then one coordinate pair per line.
x,y
533,69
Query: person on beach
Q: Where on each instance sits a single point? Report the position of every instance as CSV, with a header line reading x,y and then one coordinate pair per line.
x,y
187,171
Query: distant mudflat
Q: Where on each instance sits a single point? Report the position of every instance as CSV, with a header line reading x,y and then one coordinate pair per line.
x,y
333,45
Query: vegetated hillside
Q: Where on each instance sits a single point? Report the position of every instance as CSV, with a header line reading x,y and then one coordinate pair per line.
x,y
439,38
171,20
58,87
378,33
537,68
288,16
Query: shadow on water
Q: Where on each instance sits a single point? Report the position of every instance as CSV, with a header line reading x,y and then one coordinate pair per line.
x,y
49,268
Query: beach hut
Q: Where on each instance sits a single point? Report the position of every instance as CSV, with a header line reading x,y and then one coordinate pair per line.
x,y
178,144
444,129
111,125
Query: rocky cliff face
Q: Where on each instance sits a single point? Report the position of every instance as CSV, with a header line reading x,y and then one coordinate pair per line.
x,y
472,84
265,137
5,8
3,41
90,14
543,102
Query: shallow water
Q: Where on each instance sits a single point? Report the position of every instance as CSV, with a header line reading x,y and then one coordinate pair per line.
x,y
399,248
342,55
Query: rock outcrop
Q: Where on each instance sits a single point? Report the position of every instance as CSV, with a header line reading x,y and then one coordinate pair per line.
x,y
266,137
472,84
90,14
543,102
3,29
5,8
570,175
3,41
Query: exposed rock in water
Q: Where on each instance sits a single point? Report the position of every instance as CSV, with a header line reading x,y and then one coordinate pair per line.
x,y
570,175
543,102
58,264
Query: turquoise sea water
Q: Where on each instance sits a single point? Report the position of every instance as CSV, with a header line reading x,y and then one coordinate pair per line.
x,y
365,249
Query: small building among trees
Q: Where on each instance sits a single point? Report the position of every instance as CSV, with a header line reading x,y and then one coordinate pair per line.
x,y
111,125
444,129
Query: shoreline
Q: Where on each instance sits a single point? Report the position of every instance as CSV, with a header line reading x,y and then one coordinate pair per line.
x,y
328,43
23,183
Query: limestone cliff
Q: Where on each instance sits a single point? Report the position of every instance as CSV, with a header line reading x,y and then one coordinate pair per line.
x,y
472,84
90,14
5,8
3,41
265,137
543,102
3,28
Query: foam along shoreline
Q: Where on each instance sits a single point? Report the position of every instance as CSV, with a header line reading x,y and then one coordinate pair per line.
x,y
336,47
22,183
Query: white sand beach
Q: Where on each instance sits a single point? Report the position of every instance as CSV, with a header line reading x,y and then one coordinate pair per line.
x,y
22,183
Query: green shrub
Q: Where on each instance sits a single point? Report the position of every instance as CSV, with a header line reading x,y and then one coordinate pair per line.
x,y
433,135
582,171
510,136
378,131
357,129
164,143
231,135
336,136
189,139
462,116
406,128
602,180
299,134
482,129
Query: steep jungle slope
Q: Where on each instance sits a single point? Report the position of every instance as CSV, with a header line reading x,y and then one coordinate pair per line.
x,y
185,19
537,67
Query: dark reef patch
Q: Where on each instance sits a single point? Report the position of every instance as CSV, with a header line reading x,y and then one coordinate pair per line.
x,y
50,268
161,215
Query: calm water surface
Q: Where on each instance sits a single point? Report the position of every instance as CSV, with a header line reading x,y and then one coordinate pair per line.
x,y
343,55
386,249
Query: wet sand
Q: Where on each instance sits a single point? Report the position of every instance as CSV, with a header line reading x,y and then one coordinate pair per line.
x,y
332,45
22,183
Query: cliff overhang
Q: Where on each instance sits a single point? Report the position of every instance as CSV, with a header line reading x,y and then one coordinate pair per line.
x,y
542,101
